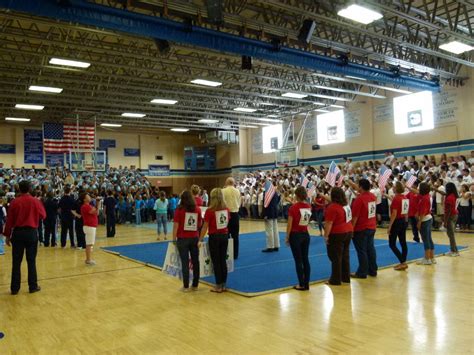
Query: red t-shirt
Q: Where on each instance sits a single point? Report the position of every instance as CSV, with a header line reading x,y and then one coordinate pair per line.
x,y
188,222
301,214
450,205
424,207
24,211
414,201
217,221
401,204
89,219
320,201
364,208
199,201
341,218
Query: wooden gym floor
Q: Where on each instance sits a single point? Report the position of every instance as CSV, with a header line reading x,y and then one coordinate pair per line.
x,y
119,306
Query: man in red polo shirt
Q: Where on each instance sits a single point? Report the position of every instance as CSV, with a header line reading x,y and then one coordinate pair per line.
x,y
21,232
364,221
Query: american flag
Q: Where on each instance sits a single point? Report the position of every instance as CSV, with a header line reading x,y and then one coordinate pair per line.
x,y
304,180
311,190
411,178
332,174
385,174
340,180
269,193
59,138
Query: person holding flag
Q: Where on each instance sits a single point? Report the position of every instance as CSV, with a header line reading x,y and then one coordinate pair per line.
x,y
270,213
332,174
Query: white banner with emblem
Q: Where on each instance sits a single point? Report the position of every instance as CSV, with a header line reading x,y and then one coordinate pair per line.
x,y
172,265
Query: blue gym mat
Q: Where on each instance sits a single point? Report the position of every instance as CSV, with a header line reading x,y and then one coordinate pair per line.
x,y
258,273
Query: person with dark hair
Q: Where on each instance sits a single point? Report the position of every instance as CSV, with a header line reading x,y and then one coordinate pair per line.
x,y
90,219
364,221
425,221
232,200
187,223
338,234
66,205
79,222
21,232
161,209
109,210
270,215
398,225
297,237
451,216
414,199
51,208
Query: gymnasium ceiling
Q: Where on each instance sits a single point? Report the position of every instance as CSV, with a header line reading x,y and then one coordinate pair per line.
x,y
127,71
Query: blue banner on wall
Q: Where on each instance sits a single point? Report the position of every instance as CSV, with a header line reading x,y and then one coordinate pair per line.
x,y
131,152
33,143
55,159
200,158
107,143
7,149
158,170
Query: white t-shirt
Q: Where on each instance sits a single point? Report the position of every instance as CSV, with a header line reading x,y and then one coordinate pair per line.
x,y
440,197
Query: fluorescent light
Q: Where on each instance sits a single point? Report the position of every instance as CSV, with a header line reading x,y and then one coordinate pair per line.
x,y
355,77
293,95
69,63
321,110
134,115
29,107
270,120
245,109
456,47
337,106
163,101
45,89
272,116
360,14
207,120
180,129
206,82
17,119
110,125
247,126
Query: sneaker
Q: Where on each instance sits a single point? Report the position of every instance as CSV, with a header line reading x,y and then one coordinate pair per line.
x,y
184,289
90,262
194,289
424,262
455,254
433,261
79,248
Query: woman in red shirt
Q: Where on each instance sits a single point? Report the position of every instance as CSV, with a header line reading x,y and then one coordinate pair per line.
x,y
90,221
216,219
187,221
451,216
297,237
338,234
319,202
425,220
196,190
398,225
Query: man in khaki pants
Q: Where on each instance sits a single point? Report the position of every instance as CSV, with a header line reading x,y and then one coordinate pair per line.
x,y
232,201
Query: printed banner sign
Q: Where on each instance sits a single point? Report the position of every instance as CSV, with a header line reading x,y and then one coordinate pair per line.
x,y
107,143
131,152
158,170
55,159
7,149
33,146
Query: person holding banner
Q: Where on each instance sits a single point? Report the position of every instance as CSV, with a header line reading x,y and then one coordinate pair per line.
x,y
398,225
216,220
297,237
187,221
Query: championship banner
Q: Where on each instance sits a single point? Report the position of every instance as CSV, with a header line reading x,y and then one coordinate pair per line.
x,y
172,265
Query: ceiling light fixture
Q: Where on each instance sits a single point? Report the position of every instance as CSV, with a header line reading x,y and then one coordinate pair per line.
x,y
29,107
163,101
244,109
133,115
456,47
179,129
206,82
337,106
69,63
247,126
18,119
116,125
360,14
321,110
355,77
208,120
294,95
269,120
45,89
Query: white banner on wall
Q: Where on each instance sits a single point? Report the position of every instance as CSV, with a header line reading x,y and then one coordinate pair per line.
x,y
383,112
309,136
352,124
257,147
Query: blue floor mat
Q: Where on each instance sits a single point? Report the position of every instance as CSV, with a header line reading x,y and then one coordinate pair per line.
x,y
259,273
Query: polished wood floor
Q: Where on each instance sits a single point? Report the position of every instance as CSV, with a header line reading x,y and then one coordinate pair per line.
x,y
119,306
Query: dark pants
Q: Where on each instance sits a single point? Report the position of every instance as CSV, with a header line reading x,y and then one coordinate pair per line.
x,y
398,230
233,227
338,253
67,225
24,240
414,228
364,246
81,236
50,232
318,216
299,243
40,231
110,225
187,246
218,248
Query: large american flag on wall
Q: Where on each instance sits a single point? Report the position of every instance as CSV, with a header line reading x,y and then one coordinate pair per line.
x,y
61,138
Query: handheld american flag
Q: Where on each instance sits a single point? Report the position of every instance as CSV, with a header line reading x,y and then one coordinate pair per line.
x,y
304,180
269,193
385,174
332,174
311,190
59,138
411,178
340,180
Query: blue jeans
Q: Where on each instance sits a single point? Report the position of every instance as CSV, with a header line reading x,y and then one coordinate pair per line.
x,y
318,216
364,246
162,220
425,232
2,245
138,216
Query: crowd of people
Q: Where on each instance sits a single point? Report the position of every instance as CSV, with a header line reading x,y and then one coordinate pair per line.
x,y
424,193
